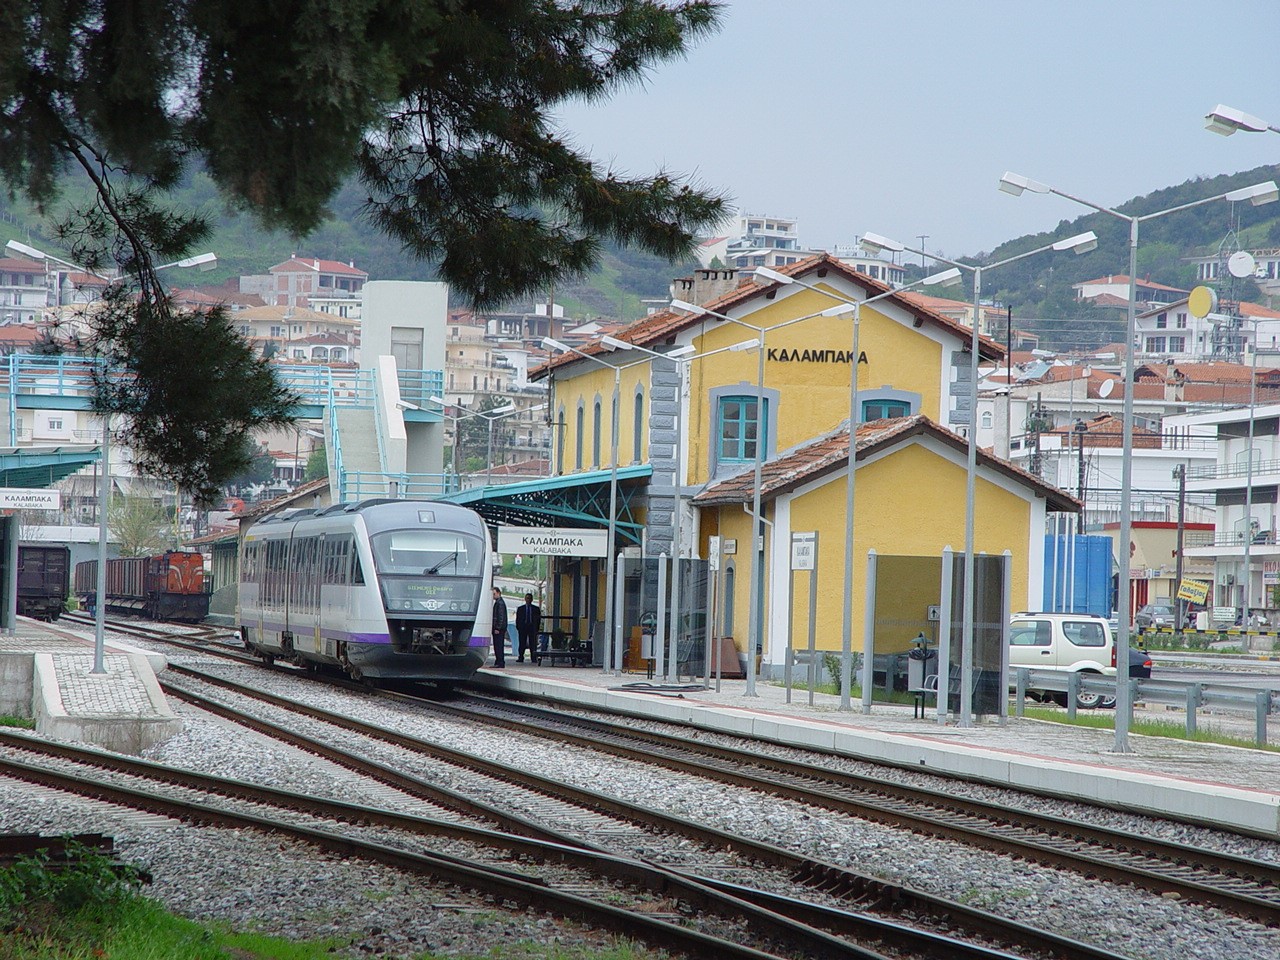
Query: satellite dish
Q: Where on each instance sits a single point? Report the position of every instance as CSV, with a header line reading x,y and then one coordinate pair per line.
x,y
1202,302
1242,264
1105,389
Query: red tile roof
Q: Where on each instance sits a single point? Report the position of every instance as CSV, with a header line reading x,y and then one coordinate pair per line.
x,y
663,325
1123,278
312,265
829,453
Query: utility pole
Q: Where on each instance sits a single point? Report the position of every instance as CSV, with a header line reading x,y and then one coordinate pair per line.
x,y
1179,474
923,237
1080,430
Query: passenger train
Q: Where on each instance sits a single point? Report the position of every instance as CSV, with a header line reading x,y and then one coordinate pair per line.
x,y
384,589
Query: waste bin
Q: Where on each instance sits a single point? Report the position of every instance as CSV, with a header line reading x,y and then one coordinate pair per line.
x,y
922,663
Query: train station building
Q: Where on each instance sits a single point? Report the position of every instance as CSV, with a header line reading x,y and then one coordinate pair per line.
x,y
687,430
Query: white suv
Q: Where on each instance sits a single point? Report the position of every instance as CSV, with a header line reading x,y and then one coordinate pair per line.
x,y
1070,642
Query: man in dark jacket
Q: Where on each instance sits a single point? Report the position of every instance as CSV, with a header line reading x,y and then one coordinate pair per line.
x,y
499,629
528,623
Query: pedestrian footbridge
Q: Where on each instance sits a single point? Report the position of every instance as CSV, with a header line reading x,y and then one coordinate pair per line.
x,y
381,435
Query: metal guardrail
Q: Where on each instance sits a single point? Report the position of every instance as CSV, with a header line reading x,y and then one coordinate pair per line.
x,y
1259,701
363,484
1221,471
1228,539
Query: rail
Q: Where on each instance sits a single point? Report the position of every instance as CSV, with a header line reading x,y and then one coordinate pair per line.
x,y
1226,538
363,484
1261,702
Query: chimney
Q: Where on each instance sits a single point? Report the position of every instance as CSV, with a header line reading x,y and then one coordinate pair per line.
x,y
316,264
710,283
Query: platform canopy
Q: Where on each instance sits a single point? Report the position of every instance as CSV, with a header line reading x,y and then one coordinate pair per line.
x,y
579,499
44,466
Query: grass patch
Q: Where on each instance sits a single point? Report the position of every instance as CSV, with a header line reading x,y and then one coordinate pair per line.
x,y
1173,729
26,723
87,908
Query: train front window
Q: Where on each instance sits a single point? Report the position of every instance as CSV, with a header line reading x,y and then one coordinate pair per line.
x,y
427,553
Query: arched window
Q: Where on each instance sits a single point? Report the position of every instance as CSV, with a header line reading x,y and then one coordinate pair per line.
x,y
582,431
986,420
595,436
728,601
560,432
637,439
885,409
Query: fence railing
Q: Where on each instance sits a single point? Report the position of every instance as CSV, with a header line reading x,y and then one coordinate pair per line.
x,y
1219,471
1261,702
363,484
1215,538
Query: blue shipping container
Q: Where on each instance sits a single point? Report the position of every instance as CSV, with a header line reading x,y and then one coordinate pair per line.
x,y
1078,574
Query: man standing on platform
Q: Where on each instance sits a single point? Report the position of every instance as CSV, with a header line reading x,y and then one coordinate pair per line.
x,y
499,629
528,623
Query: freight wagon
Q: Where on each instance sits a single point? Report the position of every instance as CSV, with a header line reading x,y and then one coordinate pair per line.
x,y
44,574
166,586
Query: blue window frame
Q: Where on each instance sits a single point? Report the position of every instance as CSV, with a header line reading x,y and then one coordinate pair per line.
x,y
741,428
885,409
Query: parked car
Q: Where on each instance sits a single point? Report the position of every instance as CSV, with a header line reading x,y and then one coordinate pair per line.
x,y
1155,616
1067,642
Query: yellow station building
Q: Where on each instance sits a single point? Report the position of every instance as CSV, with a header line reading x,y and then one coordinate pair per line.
x,y
687,433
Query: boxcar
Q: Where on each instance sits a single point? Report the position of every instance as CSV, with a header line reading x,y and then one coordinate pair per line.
x,y
44,575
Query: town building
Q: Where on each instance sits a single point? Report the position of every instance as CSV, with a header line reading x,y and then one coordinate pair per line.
x,y
310,282
689,433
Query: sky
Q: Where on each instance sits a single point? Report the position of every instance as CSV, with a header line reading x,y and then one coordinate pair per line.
x,y
899,118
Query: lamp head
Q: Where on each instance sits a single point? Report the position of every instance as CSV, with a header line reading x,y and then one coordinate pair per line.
x,y
944,278
875,244
15,246
1081,243
406,405
556,345
764,273
745,345
439,400
1258,194
509,408
686,307
840,310
1014,183
1225,121
613,343
684,351
205,261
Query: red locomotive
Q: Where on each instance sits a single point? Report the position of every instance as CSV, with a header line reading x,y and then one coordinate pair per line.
x,y
166,586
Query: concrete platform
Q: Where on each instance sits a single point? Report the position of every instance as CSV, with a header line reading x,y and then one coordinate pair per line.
x,y
1197,782
47,675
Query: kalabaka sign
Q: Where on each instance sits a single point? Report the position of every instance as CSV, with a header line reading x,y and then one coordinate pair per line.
x,y
813,356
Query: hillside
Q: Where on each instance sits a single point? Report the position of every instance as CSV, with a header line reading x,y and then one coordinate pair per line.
x,y
245,247
1038,288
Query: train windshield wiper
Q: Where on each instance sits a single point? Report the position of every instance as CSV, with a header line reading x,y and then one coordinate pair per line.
x,y
451,558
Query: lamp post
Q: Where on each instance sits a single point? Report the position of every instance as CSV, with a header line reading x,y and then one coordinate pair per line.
x,y
1225,121
104,489
1081,243
611,560
945,278
755,613
1015,184
490,415
1248,490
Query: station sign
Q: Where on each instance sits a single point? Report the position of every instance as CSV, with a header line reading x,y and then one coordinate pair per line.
x,y
554,541
24,498
803,548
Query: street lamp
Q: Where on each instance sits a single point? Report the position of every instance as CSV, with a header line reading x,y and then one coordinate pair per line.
x,y
492,416
610,619
1081,243
1014,184
1225,121
495,413
945,278
104,490
755,613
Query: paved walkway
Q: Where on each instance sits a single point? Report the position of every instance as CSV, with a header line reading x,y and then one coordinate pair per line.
x,y
1201,781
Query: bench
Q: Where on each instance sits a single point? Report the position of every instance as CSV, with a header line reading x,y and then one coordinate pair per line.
x,y
576,656
930,690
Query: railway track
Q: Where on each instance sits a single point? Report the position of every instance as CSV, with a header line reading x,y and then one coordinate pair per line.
x,y
1246,887
569,816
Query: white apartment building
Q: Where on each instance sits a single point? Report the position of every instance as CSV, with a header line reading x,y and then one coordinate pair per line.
x,y
1243,480
1171,331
